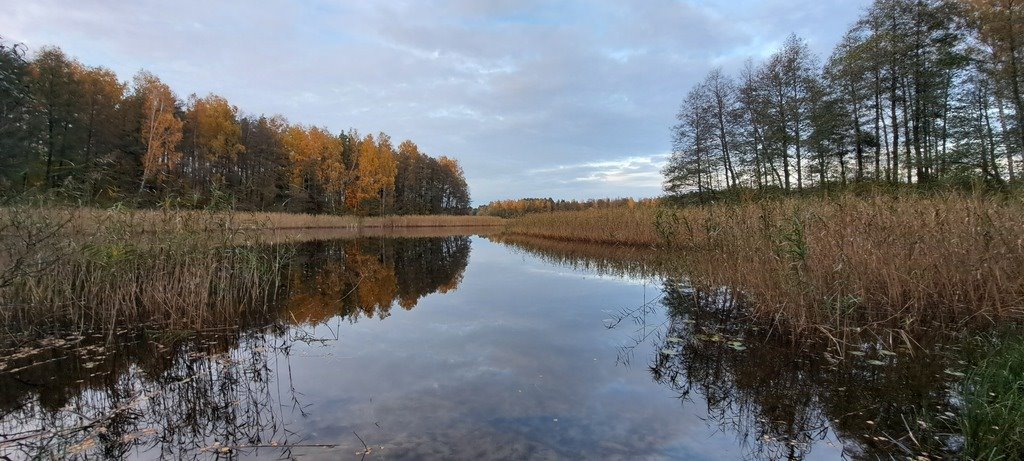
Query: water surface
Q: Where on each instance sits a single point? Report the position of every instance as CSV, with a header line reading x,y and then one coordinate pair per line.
x,y
466,348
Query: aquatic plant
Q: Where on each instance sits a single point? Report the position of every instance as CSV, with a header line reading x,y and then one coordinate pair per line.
x,y
898,261
992,419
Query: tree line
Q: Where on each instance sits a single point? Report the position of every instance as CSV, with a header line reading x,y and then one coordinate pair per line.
x,y
70,126
917,91
519,207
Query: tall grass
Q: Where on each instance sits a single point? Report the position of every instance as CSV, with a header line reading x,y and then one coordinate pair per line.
x,y
101,272
834,263
152,220
992,419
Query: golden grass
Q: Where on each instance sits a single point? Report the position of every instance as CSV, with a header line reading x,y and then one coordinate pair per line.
x,y
93,218
297,235
834,263
103,273
100,269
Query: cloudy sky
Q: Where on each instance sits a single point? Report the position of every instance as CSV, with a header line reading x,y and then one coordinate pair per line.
x,y
568,99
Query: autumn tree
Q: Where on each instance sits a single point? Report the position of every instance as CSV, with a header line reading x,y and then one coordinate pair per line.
x,y
212,142
318,171
161,129
106,123
63,123
375,169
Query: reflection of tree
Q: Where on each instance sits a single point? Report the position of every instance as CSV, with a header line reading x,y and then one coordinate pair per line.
x,y
613,260
161,394
174,394
779,397
357,278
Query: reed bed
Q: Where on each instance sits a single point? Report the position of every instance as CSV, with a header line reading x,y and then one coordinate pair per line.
x,y
306,221
152,220
834,263
297,235
102,274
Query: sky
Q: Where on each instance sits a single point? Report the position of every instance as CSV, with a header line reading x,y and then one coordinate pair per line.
x,y
568,99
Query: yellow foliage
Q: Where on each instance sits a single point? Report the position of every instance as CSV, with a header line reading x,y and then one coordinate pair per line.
x,y
161,129
376,169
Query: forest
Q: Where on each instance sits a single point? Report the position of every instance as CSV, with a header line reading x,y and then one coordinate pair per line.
x,y
922,92
79,129
512,208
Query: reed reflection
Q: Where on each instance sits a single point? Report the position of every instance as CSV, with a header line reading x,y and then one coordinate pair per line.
x,y
782,400
223,390
869,396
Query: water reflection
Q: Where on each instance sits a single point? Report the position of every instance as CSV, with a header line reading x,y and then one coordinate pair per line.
x,y
780,398
162,393
512,361
611,260
366,277
873,397
226,391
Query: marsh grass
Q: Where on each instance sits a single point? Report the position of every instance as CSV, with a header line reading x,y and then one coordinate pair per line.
x,y
195,220
992,418
102,272
100,269
834,264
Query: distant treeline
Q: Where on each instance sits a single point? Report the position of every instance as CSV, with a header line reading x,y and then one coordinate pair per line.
x,y
63,124
520,207
917,91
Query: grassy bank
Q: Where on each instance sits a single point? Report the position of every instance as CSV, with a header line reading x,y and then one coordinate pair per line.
x,y
152,220
97,269
833,263
992,416
64,270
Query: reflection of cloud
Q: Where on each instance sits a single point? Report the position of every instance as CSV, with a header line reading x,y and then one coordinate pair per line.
x,y
502,86
516,364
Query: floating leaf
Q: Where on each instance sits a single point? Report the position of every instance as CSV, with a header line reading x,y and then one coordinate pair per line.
x,y
738,345
875,362
955,373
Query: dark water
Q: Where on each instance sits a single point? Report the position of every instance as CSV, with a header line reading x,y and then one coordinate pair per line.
x,y
466,348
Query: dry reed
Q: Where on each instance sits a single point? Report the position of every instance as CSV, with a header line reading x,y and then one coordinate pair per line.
x,y
91,218
102,273
838,263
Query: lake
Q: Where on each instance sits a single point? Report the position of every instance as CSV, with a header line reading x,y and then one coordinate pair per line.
x,y
469,347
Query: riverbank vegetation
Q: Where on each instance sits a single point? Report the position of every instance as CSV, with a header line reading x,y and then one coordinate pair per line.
x,y
68,125
90,269
60,271
902,261
150,220
992,420
520,207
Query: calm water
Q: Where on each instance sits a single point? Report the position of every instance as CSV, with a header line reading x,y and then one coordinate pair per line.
x,y
466,348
